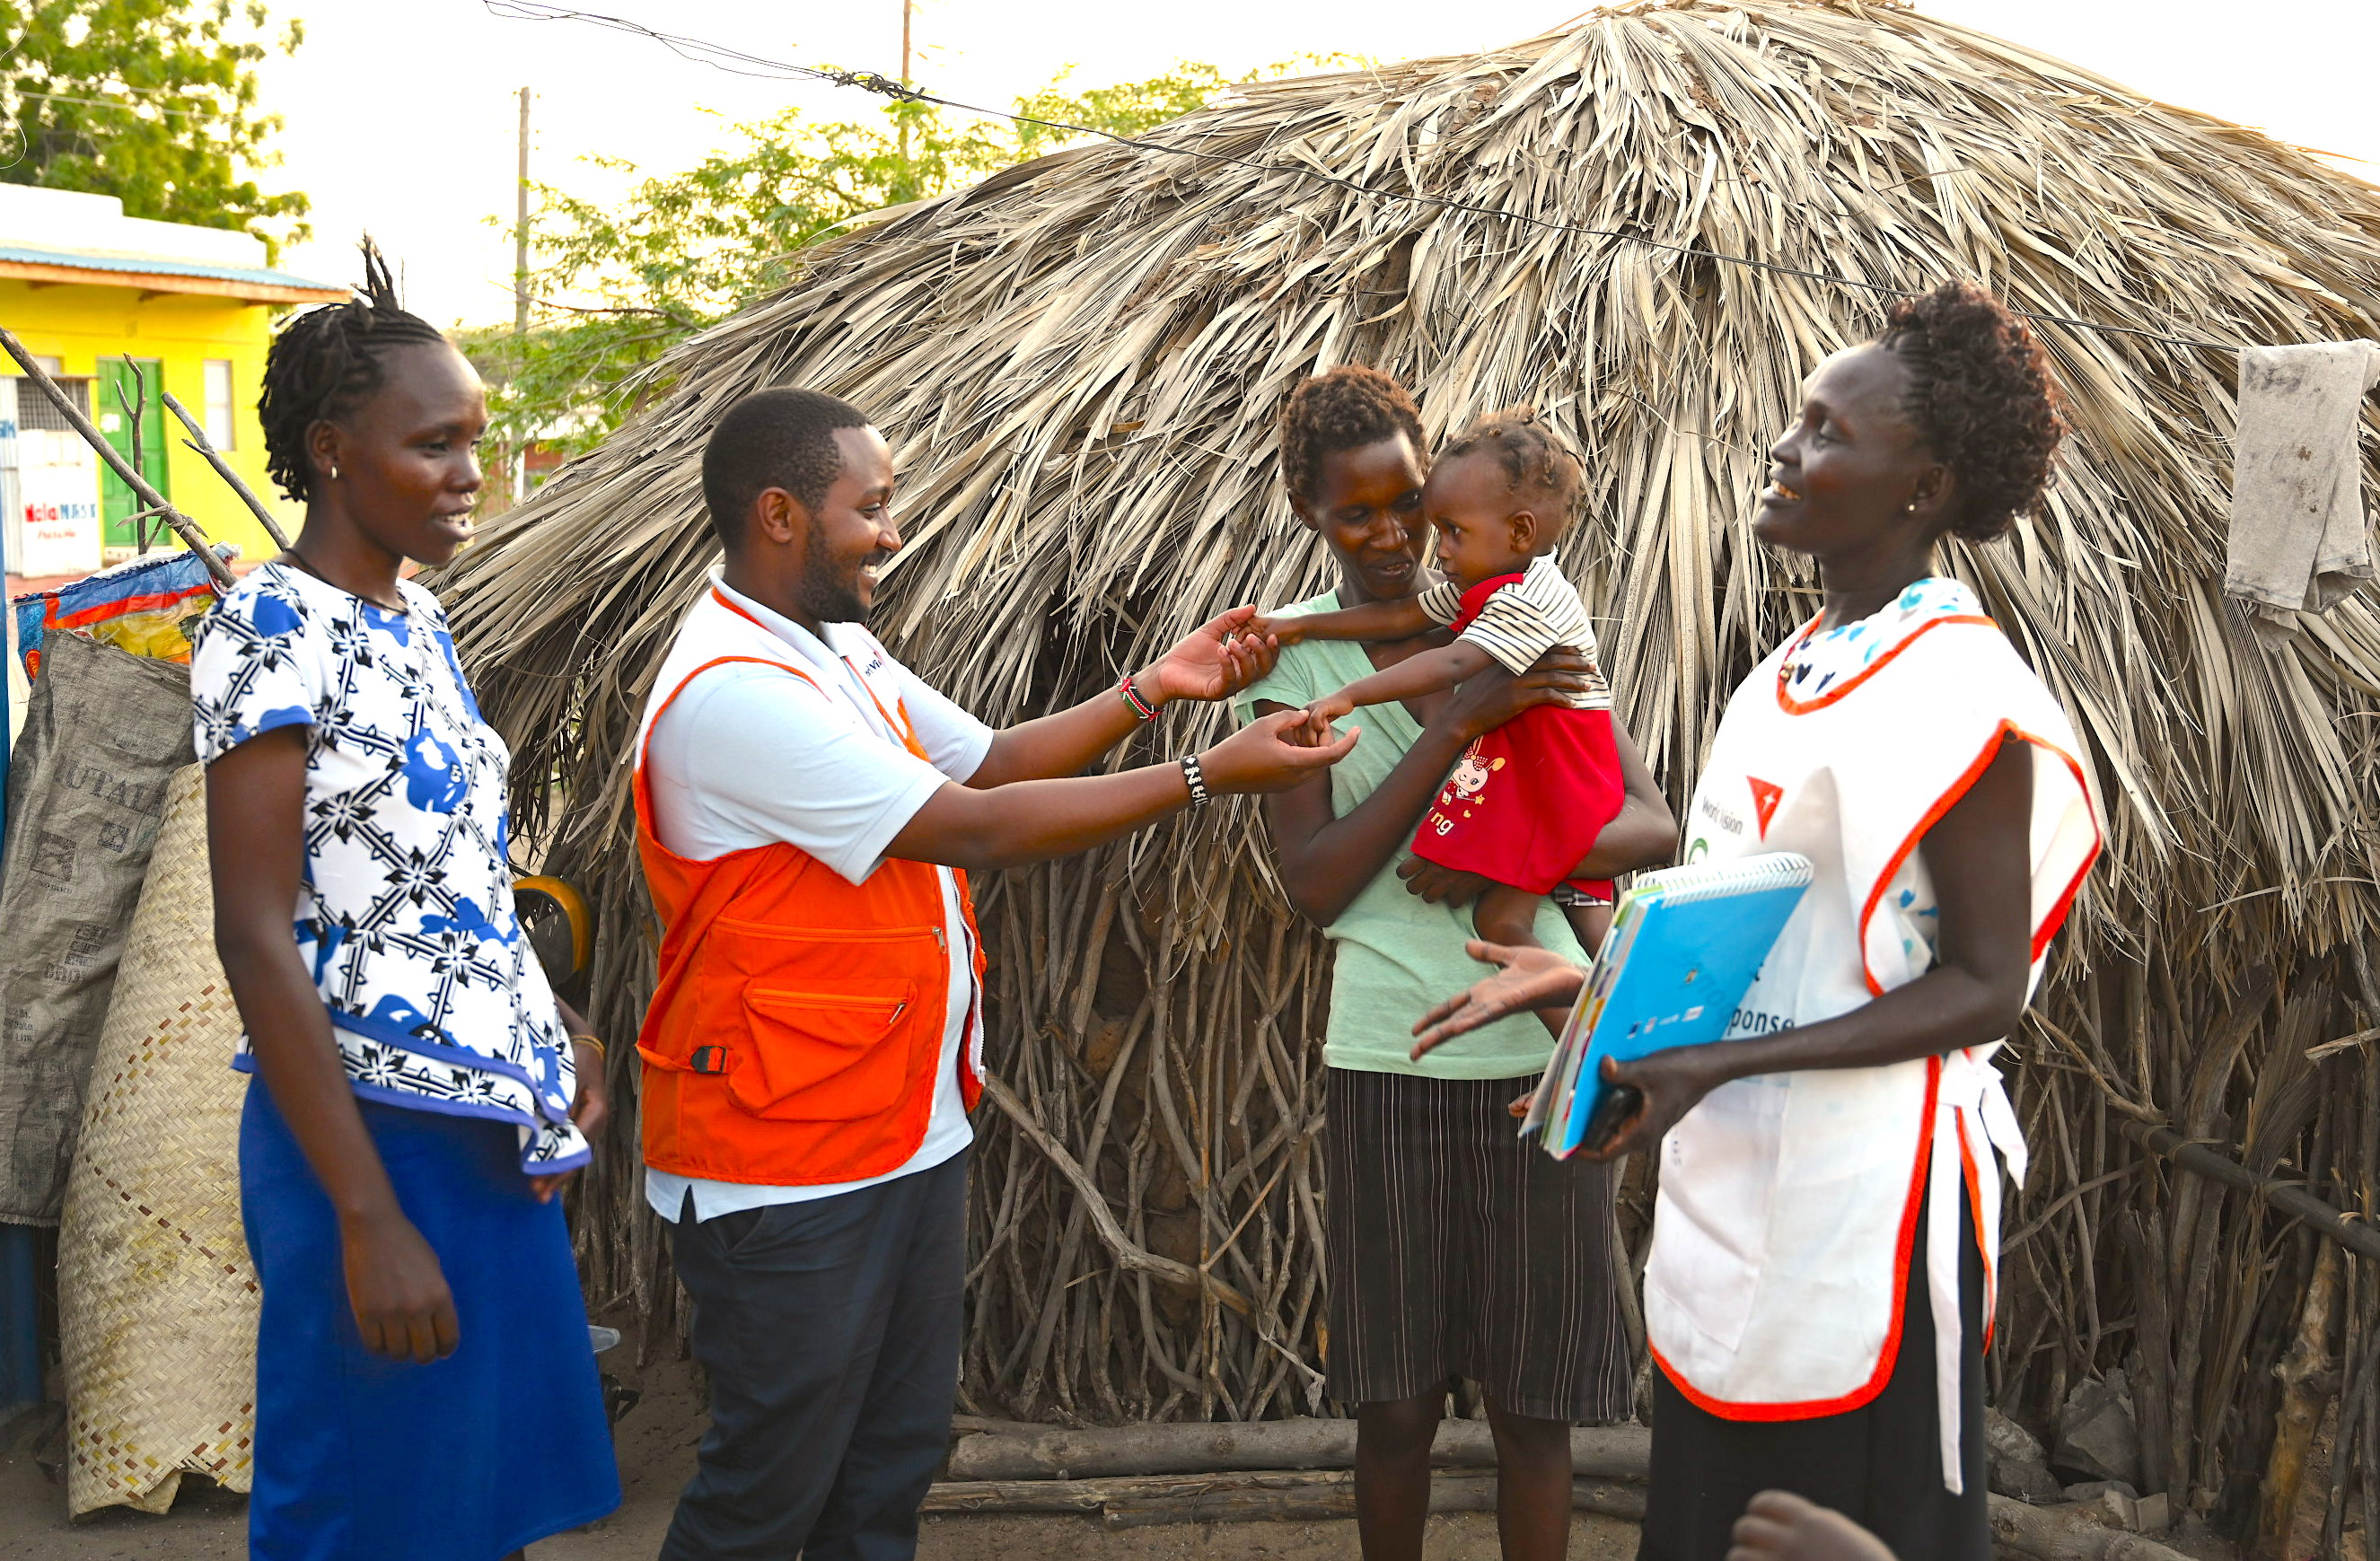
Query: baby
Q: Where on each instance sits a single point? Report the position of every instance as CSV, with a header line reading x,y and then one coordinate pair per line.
x,y
1524,806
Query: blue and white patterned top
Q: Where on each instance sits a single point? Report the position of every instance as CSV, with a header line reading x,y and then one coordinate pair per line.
x,y
1823,659
405,914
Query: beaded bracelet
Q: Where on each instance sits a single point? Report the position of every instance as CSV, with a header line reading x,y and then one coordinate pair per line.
x,y
1199,797
1132,696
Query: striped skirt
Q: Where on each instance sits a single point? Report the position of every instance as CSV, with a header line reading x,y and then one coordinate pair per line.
x,y
1456,1249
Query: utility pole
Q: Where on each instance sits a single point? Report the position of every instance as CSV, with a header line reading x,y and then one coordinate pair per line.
x,y
517,467
520,229
906,7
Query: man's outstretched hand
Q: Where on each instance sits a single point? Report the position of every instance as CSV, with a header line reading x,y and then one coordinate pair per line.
x,y
1267,756
1214,660
1322,714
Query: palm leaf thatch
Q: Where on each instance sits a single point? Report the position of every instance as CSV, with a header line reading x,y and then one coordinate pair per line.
x,y
1079,363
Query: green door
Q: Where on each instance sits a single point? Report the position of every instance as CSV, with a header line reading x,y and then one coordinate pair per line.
x,y
116,393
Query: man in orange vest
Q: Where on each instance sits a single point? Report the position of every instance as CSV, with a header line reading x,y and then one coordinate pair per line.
x,y
805,809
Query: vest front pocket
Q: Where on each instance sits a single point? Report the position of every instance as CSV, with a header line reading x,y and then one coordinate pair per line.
x,y
825,1053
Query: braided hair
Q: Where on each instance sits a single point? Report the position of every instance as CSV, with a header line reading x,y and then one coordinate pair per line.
x,y
1982,396
323,364
1538,462
1345,409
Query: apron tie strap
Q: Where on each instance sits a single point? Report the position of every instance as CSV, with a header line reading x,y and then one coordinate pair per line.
x,y
1976,1130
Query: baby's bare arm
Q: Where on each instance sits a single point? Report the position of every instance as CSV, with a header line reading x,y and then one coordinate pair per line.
x,y
1423,673
1373,620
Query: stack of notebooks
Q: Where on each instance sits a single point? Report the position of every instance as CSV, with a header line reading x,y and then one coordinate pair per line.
x,y
1684,946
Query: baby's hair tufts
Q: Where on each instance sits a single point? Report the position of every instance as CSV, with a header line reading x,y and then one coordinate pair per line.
x,y
1538,463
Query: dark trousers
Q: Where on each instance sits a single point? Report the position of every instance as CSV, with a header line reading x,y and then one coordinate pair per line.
x,y
829,1330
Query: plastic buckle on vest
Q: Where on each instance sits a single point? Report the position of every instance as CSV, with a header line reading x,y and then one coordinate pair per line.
x,y
708,1059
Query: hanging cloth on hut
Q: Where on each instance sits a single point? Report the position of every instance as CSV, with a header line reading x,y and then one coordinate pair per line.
x,y
2298,539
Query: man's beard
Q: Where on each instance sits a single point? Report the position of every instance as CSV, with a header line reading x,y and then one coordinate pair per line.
x,y
824,598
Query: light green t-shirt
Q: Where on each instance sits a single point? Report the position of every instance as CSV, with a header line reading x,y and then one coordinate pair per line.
x,y
1395,956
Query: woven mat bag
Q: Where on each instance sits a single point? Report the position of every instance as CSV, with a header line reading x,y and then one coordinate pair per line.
x,y
157,1299
86,799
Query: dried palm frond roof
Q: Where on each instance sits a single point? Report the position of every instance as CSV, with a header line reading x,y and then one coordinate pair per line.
x,y
1079,363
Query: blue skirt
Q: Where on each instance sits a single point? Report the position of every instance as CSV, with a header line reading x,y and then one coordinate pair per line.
x,y
360,1458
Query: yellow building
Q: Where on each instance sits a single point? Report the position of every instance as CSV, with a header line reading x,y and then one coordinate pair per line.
x,y
85,288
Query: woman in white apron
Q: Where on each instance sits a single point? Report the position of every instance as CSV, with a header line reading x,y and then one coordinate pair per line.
x,y
1825,1244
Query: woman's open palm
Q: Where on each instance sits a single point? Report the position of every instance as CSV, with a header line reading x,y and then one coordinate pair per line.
x,y
1527,979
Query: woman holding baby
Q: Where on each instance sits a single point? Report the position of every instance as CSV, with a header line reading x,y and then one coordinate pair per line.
x,y
1820,1284
1454,1249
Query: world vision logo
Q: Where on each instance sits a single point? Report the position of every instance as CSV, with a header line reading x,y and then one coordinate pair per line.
x,y
1765,798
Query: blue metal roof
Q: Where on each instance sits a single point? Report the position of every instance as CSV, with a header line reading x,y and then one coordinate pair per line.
x,y
151,267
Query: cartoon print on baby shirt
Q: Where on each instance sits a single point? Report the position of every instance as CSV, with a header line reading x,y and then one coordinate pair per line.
x,y
1465,788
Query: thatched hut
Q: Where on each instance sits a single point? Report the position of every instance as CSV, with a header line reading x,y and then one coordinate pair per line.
x,y
1079,362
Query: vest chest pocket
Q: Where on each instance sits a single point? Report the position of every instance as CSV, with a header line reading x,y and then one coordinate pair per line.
x,y
826,1051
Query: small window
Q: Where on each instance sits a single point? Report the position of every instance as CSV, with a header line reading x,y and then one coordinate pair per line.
x,y
219,408
33,408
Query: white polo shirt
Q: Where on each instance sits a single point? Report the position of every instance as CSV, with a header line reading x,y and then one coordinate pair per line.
x,y
747,757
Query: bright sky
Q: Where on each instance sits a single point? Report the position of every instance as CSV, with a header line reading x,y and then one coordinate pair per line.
x,y
402,118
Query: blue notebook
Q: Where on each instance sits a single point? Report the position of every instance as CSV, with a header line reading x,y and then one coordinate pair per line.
x,y
1685,945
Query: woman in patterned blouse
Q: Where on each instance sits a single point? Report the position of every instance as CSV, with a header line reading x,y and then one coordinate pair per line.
x,y
424,1093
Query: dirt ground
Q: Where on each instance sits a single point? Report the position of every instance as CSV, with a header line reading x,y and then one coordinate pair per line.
x,y
656,1442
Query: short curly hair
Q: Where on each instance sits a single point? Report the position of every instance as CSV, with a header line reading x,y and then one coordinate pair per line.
x,y
783,438
325,363
1981,394
1538,462
1344,409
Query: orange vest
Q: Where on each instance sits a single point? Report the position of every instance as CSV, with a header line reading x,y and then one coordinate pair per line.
x,y
795,1030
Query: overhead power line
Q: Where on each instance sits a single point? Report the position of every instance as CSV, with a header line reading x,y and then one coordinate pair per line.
x,y
738,62
101,102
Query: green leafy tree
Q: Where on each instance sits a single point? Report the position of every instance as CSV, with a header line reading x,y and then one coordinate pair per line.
x,y
1122,110
151,101
619,282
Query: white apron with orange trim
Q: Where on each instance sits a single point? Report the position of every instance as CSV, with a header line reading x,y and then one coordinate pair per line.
x,y
1788,1204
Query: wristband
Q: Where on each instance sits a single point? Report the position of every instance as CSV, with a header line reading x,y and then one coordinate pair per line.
x,y
1199,796
1132,696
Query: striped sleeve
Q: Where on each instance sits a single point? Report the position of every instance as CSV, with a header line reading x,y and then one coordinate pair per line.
x,y
1529,617
1442,603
